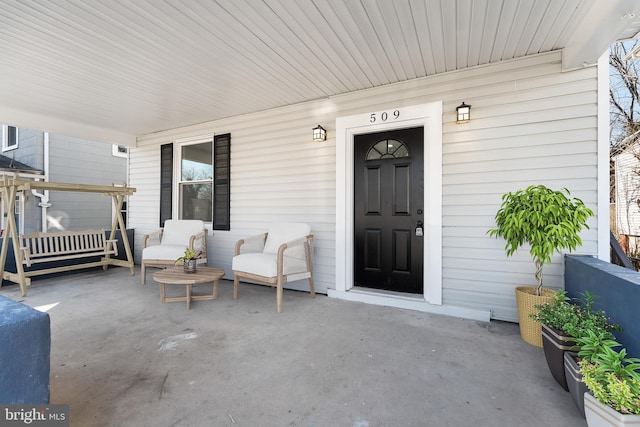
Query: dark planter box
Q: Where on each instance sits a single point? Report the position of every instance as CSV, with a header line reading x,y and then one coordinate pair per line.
x,y
555,343
577,387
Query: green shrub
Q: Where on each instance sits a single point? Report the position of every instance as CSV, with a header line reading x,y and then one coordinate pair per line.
x,y
547,220
576,320
613,379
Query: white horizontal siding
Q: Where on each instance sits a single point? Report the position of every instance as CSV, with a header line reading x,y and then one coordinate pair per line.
x,y
82,161
541,132
531,124
277,174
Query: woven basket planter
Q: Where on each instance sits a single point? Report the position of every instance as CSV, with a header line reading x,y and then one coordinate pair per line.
x,y
526,300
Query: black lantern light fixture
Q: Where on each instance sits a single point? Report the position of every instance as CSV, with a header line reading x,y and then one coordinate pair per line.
x,y
319,134
463,112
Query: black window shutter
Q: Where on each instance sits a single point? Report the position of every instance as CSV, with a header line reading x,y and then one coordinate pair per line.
x,y
166,182
222,182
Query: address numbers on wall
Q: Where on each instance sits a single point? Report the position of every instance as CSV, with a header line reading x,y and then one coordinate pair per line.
x,y
384,116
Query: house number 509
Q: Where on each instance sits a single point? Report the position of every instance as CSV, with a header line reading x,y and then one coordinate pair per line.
x,y
384,116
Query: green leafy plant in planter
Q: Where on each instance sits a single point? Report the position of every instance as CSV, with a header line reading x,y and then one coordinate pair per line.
x,y
592,344
189,260
548,221
614,383
575,320
562,322
589,346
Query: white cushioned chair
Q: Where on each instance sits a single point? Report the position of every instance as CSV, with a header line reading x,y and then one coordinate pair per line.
x,y
283,254
162,247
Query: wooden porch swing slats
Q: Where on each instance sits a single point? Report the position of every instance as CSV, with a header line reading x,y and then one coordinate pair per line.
x,y
62,246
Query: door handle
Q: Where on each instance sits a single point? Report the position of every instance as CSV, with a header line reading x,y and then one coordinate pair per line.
x,y
419,229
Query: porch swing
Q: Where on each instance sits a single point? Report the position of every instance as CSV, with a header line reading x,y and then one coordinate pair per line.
x,y
65,245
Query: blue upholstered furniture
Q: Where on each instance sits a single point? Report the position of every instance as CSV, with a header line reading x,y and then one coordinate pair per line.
x,y
25,354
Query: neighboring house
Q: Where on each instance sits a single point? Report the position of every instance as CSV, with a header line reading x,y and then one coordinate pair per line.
x,y
218,101
626,164
41,156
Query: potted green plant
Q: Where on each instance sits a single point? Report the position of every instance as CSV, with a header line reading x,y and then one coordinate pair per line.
x,y
547,221
189,260
587,346
562,322
614,388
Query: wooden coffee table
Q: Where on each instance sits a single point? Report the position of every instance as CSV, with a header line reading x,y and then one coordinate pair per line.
x,y
177,276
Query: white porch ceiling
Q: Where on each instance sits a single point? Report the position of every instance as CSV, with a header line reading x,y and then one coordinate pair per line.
x,y
114,69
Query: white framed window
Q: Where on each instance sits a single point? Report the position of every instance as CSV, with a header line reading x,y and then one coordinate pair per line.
x,y
9,137
120,150
178,185
193,168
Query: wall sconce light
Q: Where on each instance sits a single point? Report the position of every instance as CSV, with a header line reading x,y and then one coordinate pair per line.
x,y
463,112
319,134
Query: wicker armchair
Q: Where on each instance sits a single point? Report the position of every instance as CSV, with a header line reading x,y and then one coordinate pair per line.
x,y
162,247
284,254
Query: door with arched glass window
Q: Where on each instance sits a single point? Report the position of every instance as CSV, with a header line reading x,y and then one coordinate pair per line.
x,y
388,214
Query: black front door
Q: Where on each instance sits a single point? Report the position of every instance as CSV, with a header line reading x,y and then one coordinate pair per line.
x,y
389,204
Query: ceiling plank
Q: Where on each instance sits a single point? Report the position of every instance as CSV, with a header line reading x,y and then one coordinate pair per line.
x,y
150,65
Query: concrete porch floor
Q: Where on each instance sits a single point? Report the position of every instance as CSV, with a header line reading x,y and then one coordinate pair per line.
x,y
121,358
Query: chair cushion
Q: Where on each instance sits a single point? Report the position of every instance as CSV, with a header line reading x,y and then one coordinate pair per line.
x,y
284,232
265,264
167,252
178,232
